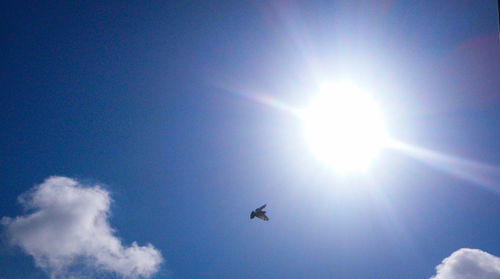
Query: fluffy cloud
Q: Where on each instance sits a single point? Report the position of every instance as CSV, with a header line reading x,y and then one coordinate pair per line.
x,y
467,264
68,228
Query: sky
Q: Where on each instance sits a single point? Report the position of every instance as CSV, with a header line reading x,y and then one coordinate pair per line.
x,y
137,137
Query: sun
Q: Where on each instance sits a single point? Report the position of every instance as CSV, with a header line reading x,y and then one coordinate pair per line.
x,y
344,127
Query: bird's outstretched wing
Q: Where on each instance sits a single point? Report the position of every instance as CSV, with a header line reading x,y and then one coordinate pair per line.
x,y
260,208
263,217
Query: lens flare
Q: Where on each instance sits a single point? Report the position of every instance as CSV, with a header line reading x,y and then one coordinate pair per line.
x,y
344,127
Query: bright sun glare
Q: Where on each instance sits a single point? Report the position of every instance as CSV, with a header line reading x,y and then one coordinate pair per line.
x,y
344,127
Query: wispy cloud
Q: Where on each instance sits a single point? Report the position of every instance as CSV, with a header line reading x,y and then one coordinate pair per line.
x,y
468,263
68,229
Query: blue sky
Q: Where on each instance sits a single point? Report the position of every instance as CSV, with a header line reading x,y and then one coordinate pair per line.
x,y
164,120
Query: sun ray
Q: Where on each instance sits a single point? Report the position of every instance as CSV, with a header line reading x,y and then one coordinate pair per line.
x,y
263,99
481,174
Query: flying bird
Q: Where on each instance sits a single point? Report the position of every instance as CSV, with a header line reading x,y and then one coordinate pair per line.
x,y
259,213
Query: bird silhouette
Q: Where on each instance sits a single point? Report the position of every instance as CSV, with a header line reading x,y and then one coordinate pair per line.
x,y
259,213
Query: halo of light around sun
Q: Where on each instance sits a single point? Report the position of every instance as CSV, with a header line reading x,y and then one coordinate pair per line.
x,y
344,127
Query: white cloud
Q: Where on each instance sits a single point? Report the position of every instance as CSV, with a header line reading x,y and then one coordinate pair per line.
x,y
468,263
68,228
